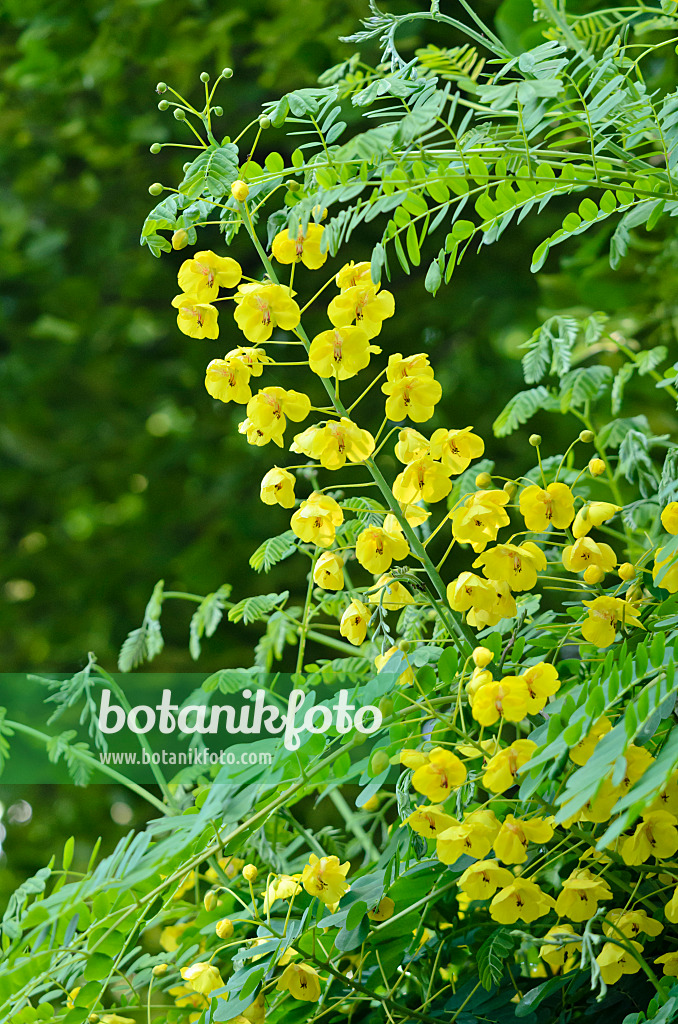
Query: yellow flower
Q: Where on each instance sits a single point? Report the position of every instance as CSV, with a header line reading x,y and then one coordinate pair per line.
x,y
383,911
316,519
183,997
614,961
483,878
473,836
632,923
517,565
334,443
656,836
501,770
328,572
442,773
669,962
600,808
400,366
469,591
507,698
228,380
422,480
552,506
71,997
585,553
669,580
595,513
277,488
604,613
325,878
305,247
203,275
456,448
411,398
261,307
230,866
578,899
430,820
503,607
390,594
414,514
283,887
301,981
557,955
202,978
479,519
267,411
376,548
196,319
669,517
542,682
521,901
252,359
638,760
353,625
115,1018
352,274
667,799
511,844
584,749
411,445
343,352
365,305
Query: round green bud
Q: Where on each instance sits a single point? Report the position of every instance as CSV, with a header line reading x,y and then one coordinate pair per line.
x,y
227,73
292,185
161,87
163,105
264,122
386,706
217,111
159,970
210,901
534,440
379,762
204,77
511,488
180,114
180,239
155,189
404,645
586,436
156,147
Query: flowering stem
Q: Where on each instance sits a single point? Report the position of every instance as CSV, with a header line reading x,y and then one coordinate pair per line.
x,y
304,621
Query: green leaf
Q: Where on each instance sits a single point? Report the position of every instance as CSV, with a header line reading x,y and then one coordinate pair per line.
x,y
206,618
273,550
212,173
254,609
521,408
492,956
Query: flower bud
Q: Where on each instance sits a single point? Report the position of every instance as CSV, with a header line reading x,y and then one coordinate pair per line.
x,y
210,901
224,928
596,467
161,87
204,77
482,657
594,574
264,122
159,970
372,804
180,239
155,148
404,645
534,440
379,762
586,436
511,488
163,105
483,481
292,185
627,571
155,189
93,1018
227,73
217,111
180,114
386,706
240,191
250,873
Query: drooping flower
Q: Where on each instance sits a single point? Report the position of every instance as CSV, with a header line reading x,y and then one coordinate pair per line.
x,y
669,517
517,565
440,775
325,878
515,834
604,613
365,304
585,552
631,923
578,899
503,606
542,682
316,519
656,836
614,961
228,381
501,771
456,449
481,880
595,513
335,443
343,351
473,836
352,274
328,571
479,519
301,981
584,749
277,488
430,820
561,946
521,901
269,409
411,445
261,307
400,366
411,398
391,594
203,275
544,507
304,247
353,625
422,480
376,548
196,319
203,978
282,887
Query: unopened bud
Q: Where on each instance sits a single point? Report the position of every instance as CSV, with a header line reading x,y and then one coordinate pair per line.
x,y
210,901
224,928
240,191
534,440
227,73
159,970
483,480
204,77
180,239
93,1018
217,111
627,571
511,488
594,574
155,148
596,467
180,114
482,656
250,873
292,185
404,645
264,122
155,189
386,706
161,87
379,762
163,105
586,436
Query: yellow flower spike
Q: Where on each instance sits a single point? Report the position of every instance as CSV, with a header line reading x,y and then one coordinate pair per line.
x,y
411,445
481,880
473,837
301,981
206,273
342,351
479,519
202,978
508,698
335,443
422,480
556,955
521,901
581,753
442,774
595,513
542,682
429,820
383,910
503,607
269,409
261,307
304,247
656,836
390,594
277,488
501,771
544,507
353,274
669,580
196,319
328,572
515,834
325,878
604,614
283,887
365,304
632,923
353,625
585,553
614,961
581,891
228,381
669,517
411,398
400,366
316,519
456,449
376,549
517,565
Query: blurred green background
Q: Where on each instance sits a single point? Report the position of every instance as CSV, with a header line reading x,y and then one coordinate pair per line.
x,y
117,467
